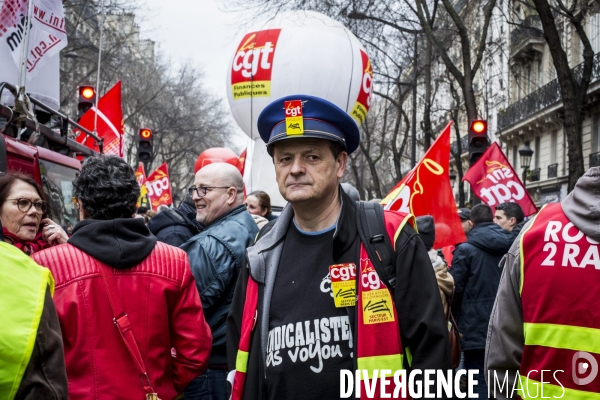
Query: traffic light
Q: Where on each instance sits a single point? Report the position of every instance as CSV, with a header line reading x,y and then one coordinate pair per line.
x,y
145,147
478,140
87,98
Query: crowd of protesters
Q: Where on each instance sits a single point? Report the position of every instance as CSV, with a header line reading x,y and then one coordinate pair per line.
x,y
188,301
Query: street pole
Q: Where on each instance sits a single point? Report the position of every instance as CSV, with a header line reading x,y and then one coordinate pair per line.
x,y
413,140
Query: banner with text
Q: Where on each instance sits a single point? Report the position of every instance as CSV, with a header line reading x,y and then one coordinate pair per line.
x,y
47,34
494,181
158,185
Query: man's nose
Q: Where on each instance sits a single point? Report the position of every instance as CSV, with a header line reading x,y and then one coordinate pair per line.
x,y
298,166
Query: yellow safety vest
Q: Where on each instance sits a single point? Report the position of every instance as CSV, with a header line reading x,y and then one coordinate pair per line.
x,y
22,292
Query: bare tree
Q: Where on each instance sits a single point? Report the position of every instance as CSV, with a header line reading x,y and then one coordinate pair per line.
x,y
573,88
185,118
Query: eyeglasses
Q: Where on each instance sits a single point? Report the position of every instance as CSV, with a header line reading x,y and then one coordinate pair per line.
x,y
24,205
201,191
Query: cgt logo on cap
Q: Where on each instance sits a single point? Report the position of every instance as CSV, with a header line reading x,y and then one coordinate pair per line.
x,y
294,124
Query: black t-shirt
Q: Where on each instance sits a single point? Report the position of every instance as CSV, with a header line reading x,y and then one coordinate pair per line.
x,y
310,340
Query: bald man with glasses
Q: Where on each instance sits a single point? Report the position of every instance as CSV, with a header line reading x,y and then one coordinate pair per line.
x,y
216,256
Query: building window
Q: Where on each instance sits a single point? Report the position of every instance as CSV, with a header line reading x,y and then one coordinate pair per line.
x,y
595,32
553,146
596,134
539,73
529,79
536,153
514,154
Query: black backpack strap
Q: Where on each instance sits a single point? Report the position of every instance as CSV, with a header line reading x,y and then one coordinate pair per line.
x,y
372,232
264,230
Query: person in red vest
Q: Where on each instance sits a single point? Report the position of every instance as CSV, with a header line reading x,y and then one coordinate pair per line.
x,y
289,332
544,332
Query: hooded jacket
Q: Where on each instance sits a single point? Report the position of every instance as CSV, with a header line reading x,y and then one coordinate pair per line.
x,y
423,327
505,338
175,226
476,277
158,294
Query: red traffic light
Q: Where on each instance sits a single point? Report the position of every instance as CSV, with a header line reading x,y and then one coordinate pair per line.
x,y
479,126
87,92
145,133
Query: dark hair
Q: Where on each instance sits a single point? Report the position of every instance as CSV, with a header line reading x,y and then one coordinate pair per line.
x,y
107,188
264,201
336,148
481,213
512,210
7,181
142,210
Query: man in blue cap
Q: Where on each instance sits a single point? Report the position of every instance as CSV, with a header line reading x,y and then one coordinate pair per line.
x,y
288,333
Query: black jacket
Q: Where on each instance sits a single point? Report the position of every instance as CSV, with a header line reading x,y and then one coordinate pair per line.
x,y
216,256
423,326
175,226
476,278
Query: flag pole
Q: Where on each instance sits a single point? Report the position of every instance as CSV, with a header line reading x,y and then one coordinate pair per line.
x,y
99,62
25,46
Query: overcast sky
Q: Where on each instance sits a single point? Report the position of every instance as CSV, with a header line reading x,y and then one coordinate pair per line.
x,y
195,31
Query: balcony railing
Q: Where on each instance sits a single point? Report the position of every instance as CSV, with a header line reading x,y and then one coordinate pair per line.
x,y
542,98
595,160
535,175
531,29
552,170
464,144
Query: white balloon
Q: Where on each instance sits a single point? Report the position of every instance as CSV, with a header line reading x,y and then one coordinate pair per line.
x,y
298,52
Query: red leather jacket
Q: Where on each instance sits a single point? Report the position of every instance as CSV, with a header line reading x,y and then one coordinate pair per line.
x,y
162,302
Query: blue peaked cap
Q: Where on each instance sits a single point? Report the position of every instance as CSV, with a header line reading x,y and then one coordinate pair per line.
x,y
321,118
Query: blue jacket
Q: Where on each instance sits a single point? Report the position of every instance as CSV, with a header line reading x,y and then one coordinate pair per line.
x,y
216,256
476,278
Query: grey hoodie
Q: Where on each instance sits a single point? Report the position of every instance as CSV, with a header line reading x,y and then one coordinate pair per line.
x,y
505,339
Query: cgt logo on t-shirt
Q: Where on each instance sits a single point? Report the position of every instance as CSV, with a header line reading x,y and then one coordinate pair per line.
x,y
326,285
318,339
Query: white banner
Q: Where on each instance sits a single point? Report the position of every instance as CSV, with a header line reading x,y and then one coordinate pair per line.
x,y
47,36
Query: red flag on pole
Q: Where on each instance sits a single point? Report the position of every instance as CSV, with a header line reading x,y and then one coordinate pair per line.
x,y
158,185
109,123
426,190
494,181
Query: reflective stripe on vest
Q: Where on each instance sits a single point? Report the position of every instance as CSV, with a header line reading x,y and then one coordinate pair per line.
x,y
23,286
560,278
248,322
379,345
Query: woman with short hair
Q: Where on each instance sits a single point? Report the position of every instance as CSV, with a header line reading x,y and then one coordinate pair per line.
x,y
112,277
23,215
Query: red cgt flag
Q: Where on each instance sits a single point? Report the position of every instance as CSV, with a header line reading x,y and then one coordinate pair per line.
x,y
426,190
109,123
494,181
158,185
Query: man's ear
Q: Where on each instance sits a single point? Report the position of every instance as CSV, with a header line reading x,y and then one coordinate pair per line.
x,y
342,161
231,195
513,221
